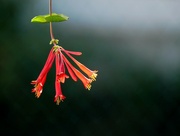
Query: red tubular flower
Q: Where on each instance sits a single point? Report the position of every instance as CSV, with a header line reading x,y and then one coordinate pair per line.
x,y
91,74
39,82
61,61
59,96
85,81
47,65
61,76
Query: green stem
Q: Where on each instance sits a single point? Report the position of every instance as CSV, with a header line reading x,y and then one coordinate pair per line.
x,y
50,12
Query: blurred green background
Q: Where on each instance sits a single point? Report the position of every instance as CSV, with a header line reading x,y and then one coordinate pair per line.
x,y
133,45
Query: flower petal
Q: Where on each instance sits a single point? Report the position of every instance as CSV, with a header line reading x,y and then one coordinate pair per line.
x,y
61,77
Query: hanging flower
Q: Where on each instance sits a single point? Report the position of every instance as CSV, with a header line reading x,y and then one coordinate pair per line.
x,y
63,64
39,82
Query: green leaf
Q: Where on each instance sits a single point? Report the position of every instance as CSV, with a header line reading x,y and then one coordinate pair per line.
x,y
38,19
56,17
49,18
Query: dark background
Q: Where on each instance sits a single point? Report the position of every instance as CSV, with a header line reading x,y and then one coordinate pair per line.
x,y
133,96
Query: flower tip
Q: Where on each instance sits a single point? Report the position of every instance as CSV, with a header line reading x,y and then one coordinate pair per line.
x,y
94,76
58,102
37,93
59,99
88,87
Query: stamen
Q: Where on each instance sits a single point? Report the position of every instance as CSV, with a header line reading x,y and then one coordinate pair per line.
x,y
88,86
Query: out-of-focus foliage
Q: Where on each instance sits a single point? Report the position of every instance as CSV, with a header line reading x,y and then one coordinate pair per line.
x,y
130,97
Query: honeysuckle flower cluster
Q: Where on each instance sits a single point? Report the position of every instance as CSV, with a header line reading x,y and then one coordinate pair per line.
x,y
60,56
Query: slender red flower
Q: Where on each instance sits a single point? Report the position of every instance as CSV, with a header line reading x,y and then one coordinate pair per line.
x,y
39,82
62,63
91,74
61,76
86,81
59,96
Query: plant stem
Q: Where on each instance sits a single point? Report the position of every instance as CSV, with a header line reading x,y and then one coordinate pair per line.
x,y
50,12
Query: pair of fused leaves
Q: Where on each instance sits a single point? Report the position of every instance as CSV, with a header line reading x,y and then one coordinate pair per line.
x,y
49,18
